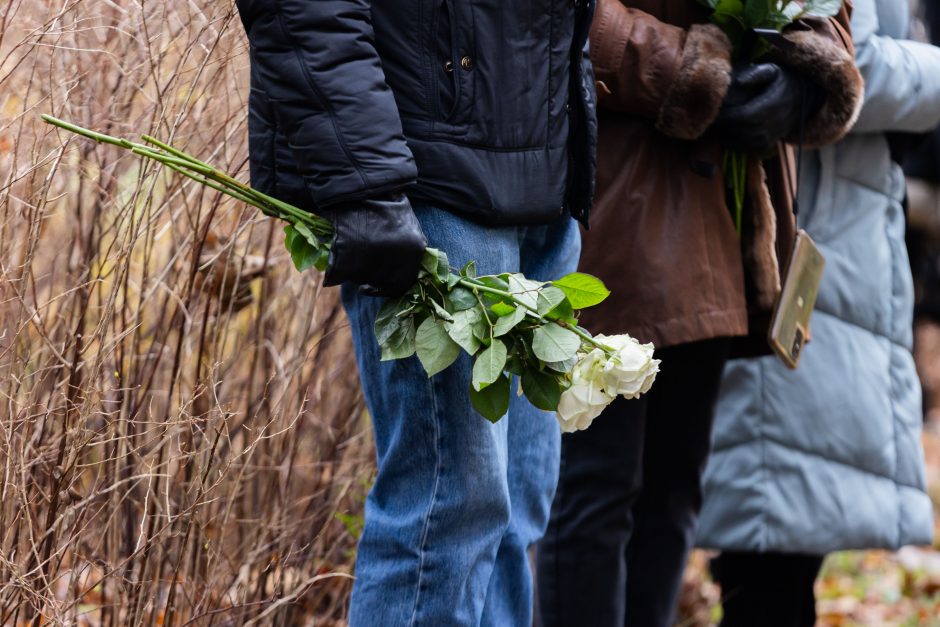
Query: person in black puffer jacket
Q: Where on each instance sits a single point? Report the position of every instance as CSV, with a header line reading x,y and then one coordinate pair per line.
x,y
469,126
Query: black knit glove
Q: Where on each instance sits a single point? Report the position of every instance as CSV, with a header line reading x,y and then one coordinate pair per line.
x,y
378,245
765,103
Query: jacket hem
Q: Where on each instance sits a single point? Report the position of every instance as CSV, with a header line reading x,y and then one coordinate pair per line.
x,y
694,328
709,539
491,187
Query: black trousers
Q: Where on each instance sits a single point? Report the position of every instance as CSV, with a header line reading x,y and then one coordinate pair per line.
x,y
623,519
767,589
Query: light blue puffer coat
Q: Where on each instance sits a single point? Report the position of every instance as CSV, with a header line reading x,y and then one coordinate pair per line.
x,y
829,457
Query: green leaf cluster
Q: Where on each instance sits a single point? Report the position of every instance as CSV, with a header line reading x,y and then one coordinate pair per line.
x,y
739,18
509,325
306,250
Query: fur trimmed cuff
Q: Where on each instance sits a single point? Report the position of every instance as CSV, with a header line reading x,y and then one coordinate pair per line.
x,y
693,101
834,71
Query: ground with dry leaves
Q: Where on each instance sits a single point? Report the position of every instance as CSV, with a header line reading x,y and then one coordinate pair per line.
x,y
862,588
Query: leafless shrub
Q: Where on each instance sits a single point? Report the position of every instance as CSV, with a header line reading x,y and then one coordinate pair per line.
x,y
182,437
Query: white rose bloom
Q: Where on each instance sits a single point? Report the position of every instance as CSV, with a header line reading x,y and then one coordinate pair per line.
x,y
597,379
590,366
631,370
586,399
580,405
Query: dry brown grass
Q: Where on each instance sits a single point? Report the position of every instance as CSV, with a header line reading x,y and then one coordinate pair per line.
x,y
180,422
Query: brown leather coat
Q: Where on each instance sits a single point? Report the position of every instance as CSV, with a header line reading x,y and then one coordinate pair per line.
x,y
662,236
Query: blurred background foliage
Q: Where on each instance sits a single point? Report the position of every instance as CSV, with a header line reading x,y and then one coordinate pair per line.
x,y
183,440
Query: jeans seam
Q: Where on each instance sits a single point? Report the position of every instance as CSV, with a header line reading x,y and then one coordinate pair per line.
x,y
430,511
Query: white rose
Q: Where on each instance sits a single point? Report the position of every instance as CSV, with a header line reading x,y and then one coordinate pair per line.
x,y
590,366
586,399
631,370
580,405
598,377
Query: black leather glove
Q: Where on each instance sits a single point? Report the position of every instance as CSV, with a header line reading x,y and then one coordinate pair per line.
x,y
378,245
765,103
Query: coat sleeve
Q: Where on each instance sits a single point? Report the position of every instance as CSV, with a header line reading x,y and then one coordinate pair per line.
x,y
317,65
675,77
823,53
678,77
902,78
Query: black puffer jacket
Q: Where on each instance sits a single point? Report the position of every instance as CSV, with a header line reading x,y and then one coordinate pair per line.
x,y
464,104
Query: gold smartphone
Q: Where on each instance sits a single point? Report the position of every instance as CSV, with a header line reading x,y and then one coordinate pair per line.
x,y
790,325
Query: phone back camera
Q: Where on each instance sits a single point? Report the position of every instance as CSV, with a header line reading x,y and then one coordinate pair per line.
x,y
797,343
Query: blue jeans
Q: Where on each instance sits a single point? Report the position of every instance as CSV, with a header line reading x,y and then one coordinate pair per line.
x,y
457,501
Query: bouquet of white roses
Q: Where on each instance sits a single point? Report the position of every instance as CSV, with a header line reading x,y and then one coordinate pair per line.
x,y
510,325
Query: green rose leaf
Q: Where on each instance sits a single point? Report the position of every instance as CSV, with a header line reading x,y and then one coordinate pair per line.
x,y
507,323
524,290
461,298
429,261
542,389
515,365
481,330
306,259
308,235
436,264
303,253
441,312
401,343
290,234
469,270
554,343
492,402
495,282
443,267
549,298
489,365
564,311
388,321
503,309
729,7
461,329
582,290
562,367
323,260
756,13
435,348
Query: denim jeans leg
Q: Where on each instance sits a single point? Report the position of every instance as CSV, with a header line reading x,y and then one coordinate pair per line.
x,y
547,252
533,473
440,506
